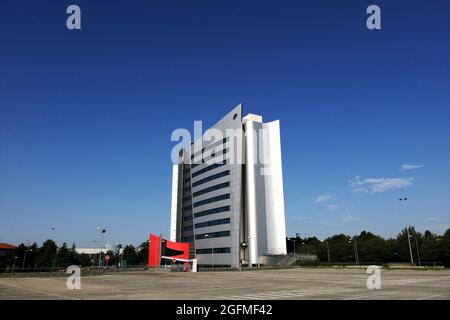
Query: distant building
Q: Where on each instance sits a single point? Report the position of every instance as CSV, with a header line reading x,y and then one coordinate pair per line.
x,y
115,248
7,252
90,250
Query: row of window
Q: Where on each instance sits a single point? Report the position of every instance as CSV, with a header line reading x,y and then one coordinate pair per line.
x,y
212,199
187,208
216,250
213,188
212,223
208,168
218,234
187,239
205,224
212,145
212,211
224,152
210,178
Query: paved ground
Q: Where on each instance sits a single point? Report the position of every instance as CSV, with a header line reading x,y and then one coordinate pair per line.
x,y
296,283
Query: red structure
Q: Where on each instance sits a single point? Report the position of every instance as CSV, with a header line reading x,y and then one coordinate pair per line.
x,y
154,251
160,247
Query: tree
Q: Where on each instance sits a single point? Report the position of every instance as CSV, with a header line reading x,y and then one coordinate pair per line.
x,y
20,254
340,249
113,258
429,247
444,248
371,248
84,260
129,255
142,256
62,258
46,254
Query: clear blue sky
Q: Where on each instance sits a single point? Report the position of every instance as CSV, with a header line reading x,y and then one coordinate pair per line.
x,y
86,116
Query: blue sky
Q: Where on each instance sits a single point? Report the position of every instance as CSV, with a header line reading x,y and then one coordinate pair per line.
x,y
86,116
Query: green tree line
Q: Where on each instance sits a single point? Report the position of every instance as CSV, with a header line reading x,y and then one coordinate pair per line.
x,y
428,247
50,256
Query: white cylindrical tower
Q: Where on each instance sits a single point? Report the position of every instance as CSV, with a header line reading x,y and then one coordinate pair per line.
x,y
250,191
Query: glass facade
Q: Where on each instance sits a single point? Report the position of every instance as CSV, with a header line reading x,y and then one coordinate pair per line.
x,y
212,211
213,188
212,223
213,177
212,199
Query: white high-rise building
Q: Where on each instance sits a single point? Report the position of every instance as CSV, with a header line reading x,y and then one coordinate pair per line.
x,y
227,193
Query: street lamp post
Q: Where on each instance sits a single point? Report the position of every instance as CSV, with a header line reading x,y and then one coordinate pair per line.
x,y
14,263
52,233
307,246
407,232
93,259
355,250
294,245
417,248
24,257
328,250
102,232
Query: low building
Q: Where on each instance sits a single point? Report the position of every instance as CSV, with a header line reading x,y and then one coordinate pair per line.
x,y
7,252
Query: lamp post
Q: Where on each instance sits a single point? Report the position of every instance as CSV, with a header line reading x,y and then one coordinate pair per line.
x,y
294,244
417,248
93,259
212,248
355,249
307,246
407,232
328,250
102,232
52,233
24,257
14,263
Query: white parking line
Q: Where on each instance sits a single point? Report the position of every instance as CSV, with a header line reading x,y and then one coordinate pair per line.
x,y
375,294
428,297
37,291
272,295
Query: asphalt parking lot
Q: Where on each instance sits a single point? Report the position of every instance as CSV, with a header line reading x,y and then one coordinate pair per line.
x,y
298,283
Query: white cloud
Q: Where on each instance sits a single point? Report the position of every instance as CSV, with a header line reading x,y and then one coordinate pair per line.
x,y
410,166
299,217
349,218
359,190
375,185
433,224
356,181
432,219
332,206
323,197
